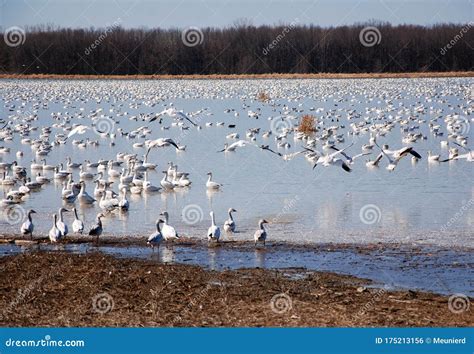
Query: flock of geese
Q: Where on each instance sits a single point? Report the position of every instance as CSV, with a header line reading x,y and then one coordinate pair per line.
x,y
164,231
128,173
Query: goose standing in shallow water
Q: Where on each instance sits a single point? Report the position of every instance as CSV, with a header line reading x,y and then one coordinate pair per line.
x,y
168,231
261,234
214,232
54,233
61,225
124,204
97,229
229,224
27,227
156,237
77,224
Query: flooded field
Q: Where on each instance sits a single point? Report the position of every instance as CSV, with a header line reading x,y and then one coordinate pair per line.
x,y
422,201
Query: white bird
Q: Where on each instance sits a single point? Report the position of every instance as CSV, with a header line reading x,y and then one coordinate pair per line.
x,y
77,224
168,232
167,185
214,232
261,234
156,237
433,158
124,204
234,146
54,233
80,129
374,163
162,142
27,227
210,184
83,197
229,224
172,112
60,224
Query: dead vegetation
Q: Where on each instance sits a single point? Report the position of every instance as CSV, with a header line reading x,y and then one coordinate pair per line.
x,y
263,97
60,289
245,76
307,124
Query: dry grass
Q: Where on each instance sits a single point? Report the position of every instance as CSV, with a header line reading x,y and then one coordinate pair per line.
x,y
246,76
307,124
57,289
263,97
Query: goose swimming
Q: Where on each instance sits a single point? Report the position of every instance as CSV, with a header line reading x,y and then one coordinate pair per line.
x,y
210,184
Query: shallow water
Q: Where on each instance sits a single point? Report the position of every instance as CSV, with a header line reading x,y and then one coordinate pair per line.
x,y
417,203
436,270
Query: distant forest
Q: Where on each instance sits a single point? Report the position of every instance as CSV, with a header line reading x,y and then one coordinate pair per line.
x,y
241,49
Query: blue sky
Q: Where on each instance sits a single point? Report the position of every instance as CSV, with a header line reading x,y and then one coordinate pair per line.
x,y
214,13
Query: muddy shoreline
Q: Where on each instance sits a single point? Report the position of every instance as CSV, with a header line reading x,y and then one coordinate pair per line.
x,y
62,289
438,270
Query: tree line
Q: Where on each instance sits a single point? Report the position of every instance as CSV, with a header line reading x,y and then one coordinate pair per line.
x,y
240,49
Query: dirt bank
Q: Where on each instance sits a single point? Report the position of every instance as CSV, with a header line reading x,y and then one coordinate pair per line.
x,y
61,289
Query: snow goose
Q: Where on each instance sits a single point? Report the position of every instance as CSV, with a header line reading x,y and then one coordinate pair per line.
x,y
28,227
214,232
261,234
229,224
